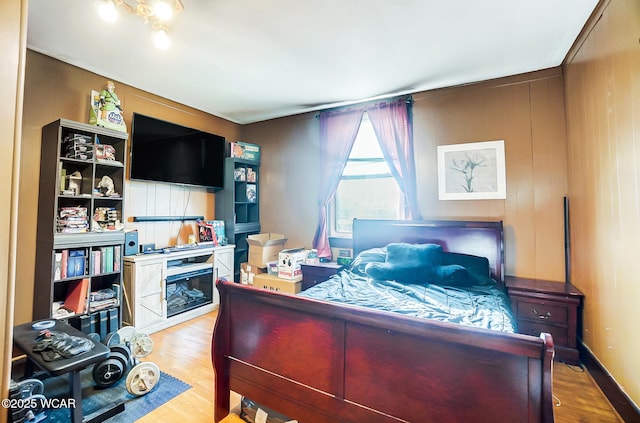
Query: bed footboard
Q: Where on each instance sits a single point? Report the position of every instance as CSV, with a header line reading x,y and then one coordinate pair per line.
x,y
321,362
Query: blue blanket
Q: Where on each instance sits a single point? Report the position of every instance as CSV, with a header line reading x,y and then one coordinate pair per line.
x,y
485,306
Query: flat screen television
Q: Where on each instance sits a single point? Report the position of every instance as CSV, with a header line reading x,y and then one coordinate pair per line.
x,y
166,152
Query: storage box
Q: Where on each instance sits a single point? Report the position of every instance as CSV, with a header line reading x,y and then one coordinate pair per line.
x,y
272,268
289,262
248,273
264,248
274,283
246,151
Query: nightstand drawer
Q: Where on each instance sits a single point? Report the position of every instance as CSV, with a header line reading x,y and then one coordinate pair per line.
x,y
543,312
313,274
559,334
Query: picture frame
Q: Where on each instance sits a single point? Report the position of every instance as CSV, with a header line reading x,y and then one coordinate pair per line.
x,y
472,171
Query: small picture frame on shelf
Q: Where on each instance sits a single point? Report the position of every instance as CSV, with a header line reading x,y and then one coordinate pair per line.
x,y
239,174
251,175
252,193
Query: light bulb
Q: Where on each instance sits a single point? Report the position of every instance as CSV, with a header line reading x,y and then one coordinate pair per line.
x,y
162,10
161,39
107,11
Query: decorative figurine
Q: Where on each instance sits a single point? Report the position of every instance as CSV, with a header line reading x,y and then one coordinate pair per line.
x,y
105,186
106,109
75,180
109,101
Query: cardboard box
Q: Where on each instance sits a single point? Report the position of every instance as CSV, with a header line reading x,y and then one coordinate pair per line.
x,y
289,263
246,151
248,273
272,268
264,248
274,283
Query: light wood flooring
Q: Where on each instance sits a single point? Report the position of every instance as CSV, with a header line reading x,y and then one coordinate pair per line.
x,y
184,351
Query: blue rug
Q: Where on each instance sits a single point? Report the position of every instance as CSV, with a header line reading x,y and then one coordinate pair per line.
x,y
94,398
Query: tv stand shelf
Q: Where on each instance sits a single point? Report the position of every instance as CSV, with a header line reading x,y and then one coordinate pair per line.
x,y
152,280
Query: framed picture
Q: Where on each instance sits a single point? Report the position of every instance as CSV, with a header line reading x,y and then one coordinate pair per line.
x,y
472,171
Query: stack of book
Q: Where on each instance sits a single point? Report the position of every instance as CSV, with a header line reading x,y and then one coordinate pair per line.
x,y
106,259
73,219
104,298
69,264
78,146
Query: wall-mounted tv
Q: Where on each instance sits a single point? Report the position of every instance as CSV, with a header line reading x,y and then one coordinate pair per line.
x,y
166,152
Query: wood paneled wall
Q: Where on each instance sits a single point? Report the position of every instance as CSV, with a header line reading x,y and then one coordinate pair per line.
x,y
525,111
56,90
602,89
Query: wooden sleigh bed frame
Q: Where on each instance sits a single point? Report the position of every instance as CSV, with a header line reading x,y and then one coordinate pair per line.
x,y
317,361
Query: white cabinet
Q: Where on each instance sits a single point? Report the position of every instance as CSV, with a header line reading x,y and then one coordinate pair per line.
x,y
146,301
223,262
165,289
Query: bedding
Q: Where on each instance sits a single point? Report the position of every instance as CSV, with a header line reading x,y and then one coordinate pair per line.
x,y
421,281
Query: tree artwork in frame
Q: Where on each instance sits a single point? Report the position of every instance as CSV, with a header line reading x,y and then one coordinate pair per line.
x,y
472,171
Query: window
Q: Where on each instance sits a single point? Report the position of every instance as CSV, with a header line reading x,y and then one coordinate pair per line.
x,y
367,190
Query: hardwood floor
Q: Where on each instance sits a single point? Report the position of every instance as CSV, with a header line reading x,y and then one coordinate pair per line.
x,y
184,351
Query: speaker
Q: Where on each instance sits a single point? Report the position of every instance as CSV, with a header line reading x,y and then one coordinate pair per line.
x,y
131,243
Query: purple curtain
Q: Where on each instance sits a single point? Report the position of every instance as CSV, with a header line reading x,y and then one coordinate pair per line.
x,y
338,130
391,123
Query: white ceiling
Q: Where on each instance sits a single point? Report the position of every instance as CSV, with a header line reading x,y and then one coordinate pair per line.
x,y
248,61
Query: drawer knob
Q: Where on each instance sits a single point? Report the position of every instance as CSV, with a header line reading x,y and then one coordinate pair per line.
x,y
541,316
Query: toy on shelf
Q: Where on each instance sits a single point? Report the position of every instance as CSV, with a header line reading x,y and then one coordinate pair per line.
x,y
106,109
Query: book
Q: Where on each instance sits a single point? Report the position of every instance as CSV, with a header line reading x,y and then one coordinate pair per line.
x,y
78,263
109,259
96,261
117,257
103,260
57,266
75,263
102,304
63,178
76,299
71,265
63,264
118,290
114,323
103,323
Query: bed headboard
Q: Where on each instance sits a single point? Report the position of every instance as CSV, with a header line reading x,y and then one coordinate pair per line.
x,y
456,236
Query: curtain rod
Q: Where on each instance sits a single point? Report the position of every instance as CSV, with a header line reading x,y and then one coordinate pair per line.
x,y
408,98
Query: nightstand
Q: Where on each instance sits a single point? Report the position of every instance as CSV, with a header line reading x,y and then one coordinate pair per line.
x,y
313,274
545,306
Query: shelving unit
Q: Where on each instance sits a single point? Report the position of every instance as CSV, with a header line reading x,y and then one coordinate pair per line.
x,y
79,231
239,206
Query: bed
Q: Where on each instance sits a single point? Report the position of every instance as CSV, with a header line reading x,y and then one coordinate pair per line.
x,y
325,361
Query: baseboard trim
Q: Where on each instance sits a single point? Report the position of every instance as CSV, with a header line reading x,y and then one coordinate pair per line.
x,y
625,407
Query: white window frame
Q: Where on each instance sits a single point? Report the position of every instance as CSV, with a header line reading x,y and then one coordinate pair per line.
x,y
331,210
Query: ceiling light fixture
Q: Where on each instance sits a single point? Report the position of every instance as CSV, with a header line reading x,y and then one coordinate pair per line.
x,y
155,12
